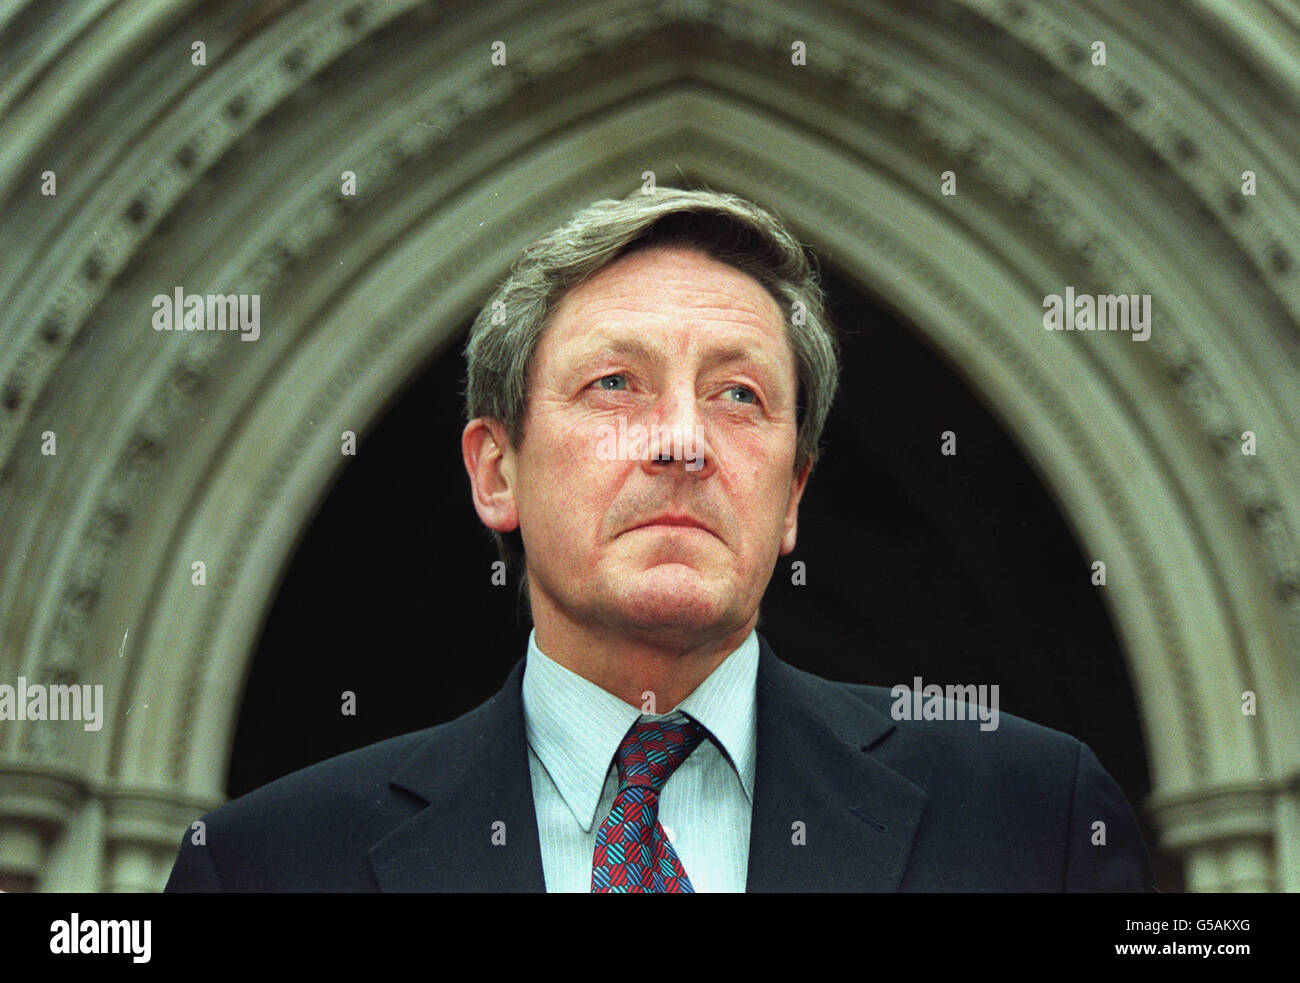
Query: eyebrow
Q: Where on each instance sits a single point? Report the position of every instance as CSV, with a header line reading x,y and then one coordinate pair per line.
x,y
622,346
636,348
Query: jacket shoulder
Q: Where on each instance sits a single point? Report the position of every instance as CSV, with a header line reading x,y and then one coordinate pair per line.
x,y
997,752
310,830
959,718
1023,798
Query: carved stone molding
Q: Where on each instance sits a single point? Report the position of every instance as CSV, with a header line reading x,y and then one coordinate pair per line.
x,y
1069,172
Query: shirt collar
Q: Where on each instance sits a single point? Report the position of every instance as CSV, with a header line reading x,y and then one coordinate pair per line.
x,y
574,727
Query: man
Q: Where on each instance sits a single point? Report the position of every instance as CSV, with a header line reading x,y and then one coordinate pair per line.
x,y
645,397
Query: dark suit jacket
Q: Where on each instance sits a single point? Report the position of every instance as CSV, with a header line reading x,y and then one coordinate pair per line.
x,y
885,805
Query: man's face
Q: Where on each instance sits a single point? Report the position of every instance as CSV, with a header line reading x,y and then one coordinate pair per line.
x,y
689,358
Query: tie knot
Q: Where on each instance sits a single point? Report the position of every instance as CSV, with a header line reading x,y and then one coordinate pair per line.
x,y
652,749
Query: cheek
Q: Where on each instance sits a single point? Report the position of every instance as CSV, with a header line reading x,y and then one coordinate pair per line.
x,y
757,472
760,490
568,488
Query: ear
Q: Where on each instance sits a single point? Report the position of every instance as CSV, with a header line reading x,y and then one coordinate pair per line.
x,y
797,485
490,463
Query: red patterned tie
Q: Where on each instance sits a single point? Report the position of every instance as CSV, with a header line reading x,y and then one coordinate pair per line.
x,y
633,855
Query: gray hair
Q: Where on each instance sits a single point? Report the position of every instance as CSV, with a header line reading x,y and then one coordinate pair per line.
x,y
505,334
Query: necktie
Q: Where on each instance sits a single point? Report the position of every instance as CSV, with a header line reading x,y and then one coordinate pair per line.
x,y
633,855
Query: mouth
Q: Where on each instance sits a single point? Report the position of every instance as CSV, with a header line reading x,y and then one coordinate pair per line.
x,y
673,522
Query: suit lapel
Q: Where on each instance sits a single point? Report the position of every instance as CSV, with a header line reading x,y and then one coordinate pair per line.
x,y
859,817
473,775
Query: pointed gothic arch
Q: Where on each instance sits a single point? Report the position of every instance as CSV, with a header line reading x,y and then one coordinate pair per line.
x,y
225,177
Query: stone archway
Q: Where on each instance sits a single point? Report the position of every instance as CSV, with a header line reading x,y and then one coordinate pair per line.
x,y
173,449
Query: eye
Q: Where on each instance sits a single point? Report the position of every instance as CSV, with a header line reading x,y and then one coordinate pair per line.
x,y
600,383
753,396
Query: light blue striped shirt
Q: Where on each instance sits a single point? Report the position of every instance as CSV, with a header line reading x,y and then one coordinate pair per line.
x,y
574,727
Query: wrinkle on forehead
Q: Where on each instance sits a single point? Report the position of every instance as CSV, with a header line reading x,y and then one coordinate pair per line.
x,y
659,287
641,283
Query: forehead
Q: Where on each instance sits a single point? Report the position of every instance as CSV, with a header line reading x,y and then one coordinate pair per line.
x,y
675,299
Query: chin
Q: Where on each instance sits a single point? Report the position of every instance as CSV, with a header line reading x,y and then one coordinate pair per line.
x,y
672,596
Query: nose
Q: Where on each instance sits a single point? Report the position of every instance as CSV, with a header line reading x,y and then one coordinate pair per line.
x,y
678,438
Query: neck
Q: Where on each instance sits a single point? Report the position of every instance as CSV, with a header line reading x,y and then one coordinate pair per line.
x,y
634,663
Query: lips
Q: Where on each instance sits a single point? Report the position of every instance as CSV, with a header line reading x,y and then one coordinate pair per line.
x,y
674,520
